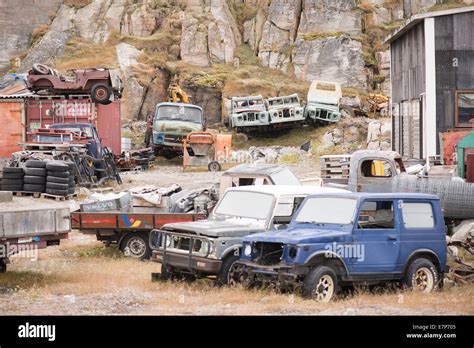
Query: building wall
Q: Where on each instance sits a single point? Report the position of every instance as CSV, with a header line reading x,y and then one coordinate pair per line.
x,y
454,64
408,83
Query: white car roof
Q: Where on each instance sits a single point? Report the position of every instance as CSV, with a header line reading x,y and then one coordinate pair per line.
x,y
282,190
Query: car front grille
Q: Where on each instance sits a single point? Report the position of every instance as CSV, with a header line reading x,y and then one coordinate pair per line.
x,y
267,253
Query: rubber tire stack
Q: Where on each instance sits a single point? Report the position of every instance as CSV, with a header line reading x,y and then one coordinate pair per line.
x,y
72,182
12,179
57,180
35,176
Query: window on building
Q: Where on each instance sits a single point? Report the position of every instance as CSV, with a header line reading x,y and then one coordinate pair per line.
x,y
376,215
465,108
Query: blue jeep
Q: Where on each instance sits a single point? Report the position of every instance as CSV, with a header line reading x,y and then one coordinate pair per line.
x,y
336,240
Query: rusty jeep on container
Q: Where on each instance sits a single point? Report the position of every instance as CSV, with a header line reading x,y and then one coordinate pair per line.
x,y
101,83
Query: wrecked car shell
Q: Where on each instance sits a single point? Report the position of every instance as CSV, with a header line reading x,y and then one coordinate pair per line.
x,y
323,101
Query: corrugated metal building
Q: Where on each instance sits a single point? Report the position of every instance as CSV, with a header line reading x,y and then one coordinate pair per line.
x,y
432,80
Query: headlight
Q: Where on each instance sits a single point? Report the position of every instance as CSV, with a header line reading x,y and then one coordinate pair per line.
x,y
248,250
168,241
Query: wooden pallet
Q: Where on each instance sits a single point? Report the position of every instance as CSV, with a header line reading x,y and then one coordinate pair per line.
x,y
27,194
58,198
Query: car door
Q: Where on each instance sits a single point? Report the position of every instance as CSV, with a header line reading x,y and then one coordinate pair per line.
x,y
376,238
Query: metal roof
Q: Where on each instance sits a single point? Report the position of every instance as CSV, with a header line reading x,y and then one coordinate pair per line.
x,y
255,169
280,190
414,20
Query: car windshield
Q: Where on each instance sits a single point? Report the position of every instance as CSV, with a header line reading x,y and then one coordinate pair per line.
x,y
179,113
251,205
327,210
285,177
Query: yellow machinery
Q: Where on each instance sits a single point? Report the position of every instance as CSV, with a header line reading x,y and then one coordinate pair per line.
x,y
176,94
207,149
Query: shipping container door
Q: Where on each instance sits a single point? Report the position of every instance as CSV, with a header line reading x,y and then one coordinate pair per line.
x,y
109,125
11,130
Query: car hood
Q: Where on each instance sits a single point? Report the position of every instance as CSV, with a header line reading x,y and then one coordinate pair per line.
x,y
214,228
299,236
176,127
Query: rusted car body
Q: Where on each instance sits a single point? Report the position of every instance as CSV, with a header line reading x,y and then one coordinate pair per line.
x,y
285,111
248,113
100,83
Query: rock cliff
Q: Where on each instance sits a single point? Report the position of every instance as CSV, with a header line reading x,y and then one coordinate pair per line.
x,y
217,48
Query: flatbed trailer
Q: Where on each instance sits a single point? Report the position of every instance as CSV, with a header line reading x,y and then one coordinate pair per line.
x,y
30,230
129,230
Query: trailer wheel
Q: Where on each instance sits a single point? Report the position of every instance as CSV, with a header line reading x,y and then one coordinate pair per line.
x,y
214,166
136,245
101,93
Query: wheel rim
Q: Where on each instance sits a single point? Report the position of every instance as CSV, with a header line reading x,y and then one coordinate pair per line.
x,y
324,289
137,247
423,280
234,274
100,93
214,167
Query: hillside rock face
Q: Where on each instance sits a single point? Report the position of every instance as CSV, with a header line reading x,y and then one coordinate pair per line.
x,y
306,39
18,19
209,34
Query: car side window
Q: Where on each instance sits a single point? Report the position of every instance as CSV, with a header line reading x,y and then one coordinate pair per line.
x,y
376,215
285,210
418,215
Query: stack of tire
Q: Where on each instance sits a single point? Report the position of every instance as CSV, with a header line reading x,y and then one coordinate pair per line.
x,y
60,178
35,176
12,179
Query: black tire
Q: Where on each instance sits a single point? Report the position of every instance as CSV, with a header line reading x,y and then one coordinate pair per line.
x,y
58,174
347,112
13,170
100,93
35,164
223,276
57,180
13,188
136,245
34,188
12,182
56,186
320,284
35,172
35,180
214,166
3,266
71,191
422,275
41,69
13,176
56,192
57,167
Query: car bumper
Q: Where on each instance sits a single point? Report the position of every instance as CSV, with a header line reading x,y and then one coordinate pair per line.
x,y
282,273
188,262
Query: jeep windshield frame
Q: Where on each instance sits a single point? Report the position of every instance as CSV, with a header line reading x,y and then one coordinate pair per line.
x,y
327,210
182,113
243,204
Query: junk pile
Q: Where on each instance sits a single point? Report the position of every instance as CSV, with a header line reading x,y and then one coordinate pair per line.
x,y
461,253
89,171
56,178
141,159
271,154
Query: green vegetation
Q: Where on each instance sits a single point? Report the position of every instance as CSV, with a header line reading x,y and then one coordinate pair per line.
x,y
311,36
447,5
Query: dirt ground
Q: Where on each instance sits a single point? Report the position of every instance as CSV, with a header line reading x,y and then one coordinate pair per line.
x,y
82,277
